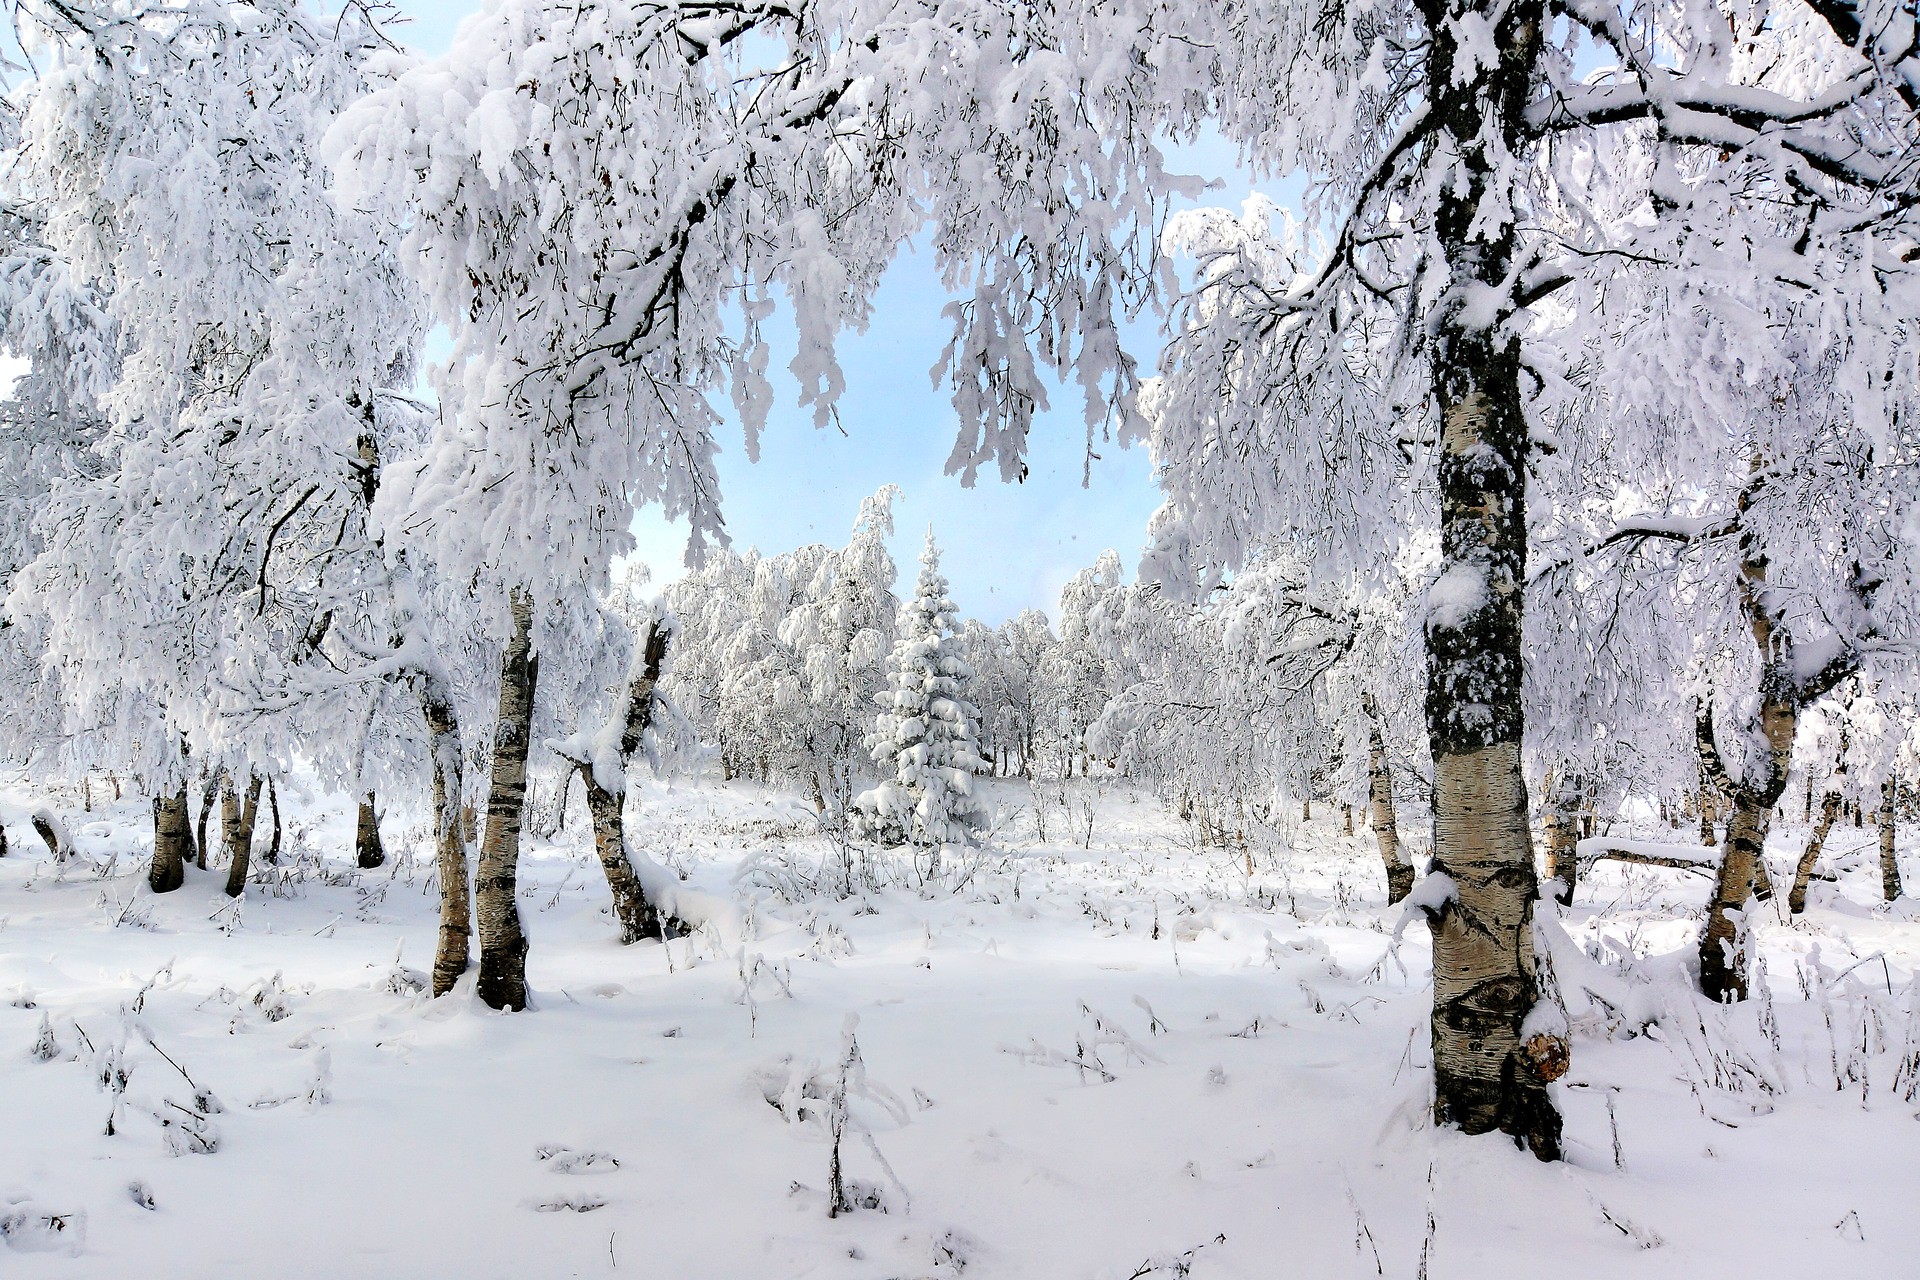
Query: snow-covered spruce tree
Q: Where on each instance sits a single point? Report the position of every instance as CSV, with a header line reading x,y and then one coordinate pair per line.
x,y
925,736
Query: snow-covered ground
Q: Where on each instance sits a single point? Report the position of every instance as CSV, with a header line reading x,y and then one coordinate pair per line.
x,y
1123,1060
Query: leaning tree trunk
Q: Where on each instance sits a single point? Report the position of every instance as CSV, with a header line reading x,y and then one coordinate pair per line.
x,y
1889,865
273,807
1714,781
450,844
1816,844
630,907
1484,983
503,948
172,840
239,836
53,831
207,797
638,918
1560,822
367,849
1380,807
1817,837
1723,943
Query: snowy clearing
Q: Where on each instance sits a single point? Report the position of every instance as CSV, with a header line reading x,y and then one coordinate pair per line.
x,y
1126,1060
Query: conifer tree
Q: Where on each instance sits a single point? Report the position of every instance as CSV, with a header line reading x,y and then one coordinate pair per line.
x,y
926,734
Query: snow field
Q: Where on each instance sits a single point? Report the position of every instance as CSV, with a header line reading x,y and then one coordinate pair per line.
x,y
1122,1060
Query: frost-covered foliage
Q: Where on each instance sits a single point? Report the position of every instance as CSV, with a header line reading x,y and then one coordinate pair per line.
x,y
781,656
1217,699
925,739
1256,693
606,200
840,634
50,424
253,339
1640,140
1580,395
1021,685
1701,217
1083,677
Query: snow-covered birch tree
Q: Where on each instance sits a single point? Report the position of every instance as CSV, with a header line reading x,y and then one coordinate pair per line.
x,y
1345,386
257,337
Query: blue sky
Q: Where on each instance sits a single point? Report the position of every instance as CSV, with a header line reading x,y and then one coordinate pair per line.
x,y
1005,547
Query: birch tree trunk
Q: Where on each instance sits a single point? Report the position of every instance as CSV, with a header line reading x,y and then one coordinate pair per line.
x,y
1560,822
1889,864
1484,983
229,817
172,840
1386,830
52,832
367,849
198,852
637,917
450,844
1713,773
503,948
560,805
1723,943
273,807
240,838
1816,842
